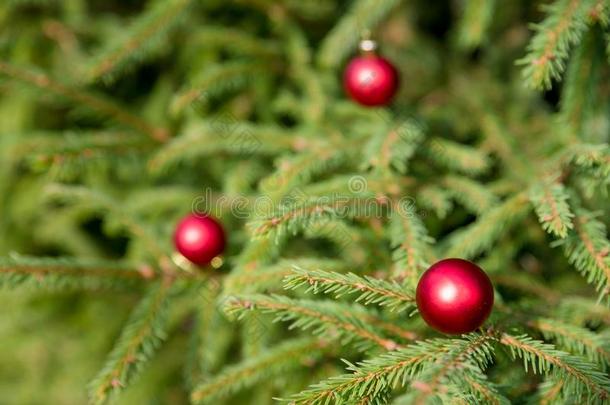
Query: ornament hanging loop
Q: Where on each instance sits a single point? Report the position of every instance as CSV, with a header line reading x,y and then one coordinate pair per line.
x,y
367,45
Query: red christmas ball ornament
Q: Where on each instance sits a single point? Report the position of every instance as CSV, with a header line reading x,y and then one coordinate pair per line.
x,y
199,238
370,79
454,296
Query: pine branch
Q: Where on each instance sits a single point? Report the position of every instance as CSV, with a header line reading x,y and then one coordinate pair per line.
x,y
391,328
216,338
59,273
106,204
362,16
498,139
306,77
370,290
409,240
588,249
474,196
63,230
145,36
78,97
470,356
274,362
467,386
270,276
139,340
595,158
311,10
394,146
479,389
591,160
294,218
67,40
458,157
50,146
257,252
435,198
354,185
550,199
331,319
580,377
582,311
575,339
70,156
255,336
548,51
600,13
217,80
373,377
347,239
211,337
155,202
369,378
221,134
582,81
527,284
235,41
240,179
482,234
549,392
23,3
300,169
475,21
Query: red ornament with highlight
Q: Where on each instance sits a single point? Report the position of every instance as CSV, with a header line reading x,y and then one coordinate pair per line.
x,y
454,296
199,238
370,80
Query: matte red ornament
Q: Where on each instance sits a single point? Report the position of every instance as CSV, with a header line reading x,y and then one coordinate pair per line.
x,y
454,296
370,80
199,238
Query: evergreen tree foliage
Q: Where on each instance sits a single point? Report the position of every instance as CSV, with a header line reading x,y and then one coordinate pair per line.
x,y
117,118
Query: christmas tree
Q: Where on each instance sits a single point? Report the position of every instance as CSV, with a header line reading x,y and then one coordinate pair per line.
x,y
201,204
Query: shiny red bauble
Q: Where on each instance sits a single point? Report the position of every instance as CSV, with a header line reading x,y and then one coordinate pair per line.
x,y
370,80
454,296
199,238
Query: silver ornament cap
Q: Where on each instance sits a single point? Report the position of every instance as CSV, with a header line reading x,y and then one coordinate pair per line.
x,y
368,45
